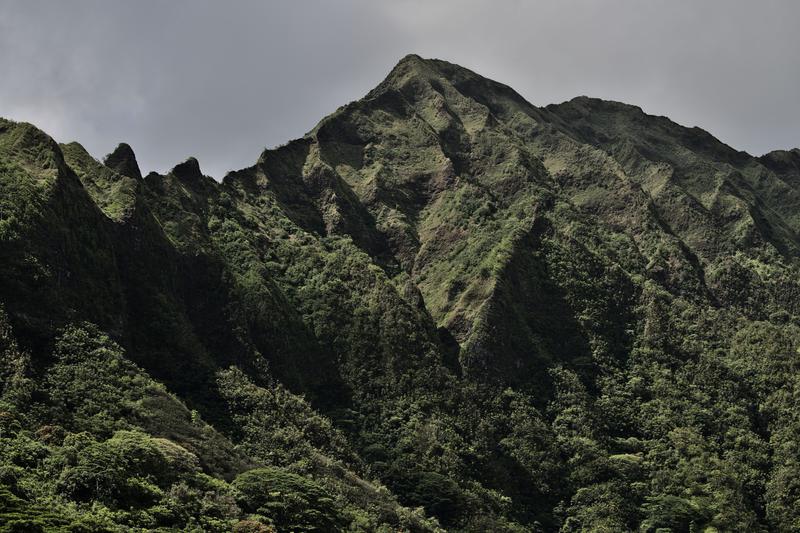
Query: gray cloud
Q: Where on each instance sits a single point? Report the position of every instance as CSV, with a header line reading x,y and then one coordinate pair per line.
x,y
222,80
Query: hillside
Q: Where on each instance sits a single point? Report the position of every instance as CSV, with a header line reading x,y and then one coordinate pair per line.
x,y
443,308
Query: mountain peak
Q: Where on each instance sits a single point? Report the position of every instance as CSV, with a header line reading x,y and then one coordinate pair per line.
x,y
782,161
123,160
413,66
410,65
414,74
411,58
189,169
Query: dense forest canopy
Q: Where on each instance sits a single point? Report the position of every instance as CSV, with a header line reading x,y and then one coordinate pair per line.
x,y
443,308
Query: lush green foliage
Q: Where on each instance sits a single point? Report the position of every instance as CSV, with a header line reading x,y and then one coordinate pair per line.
x,y
443,308
289,501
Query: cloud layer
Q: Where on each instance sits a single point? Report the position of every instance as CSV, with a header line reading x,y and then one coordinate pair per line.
x,y
222,80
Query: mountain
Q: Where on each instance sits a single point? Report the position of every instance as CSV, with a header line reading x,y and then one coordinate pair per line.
x,y
443,308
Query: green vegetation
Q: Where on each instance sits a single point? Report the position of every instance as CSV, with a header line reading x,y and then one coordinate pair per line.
x,y
442,309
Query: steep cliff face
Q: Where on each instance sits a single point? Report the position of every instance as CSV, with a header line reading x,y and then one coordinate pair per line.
x,y
516,318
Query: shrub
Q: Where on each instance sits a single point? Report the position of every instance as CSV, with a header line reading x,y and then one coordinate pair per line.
x,y
291,502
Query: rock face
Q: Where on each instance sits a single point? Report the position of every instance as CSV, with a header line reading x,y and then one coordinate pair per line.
x,y
123,160
517,318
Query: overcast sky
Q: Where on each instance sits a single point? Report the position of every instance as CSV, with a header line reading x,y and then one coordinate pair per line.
x,y
222,80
